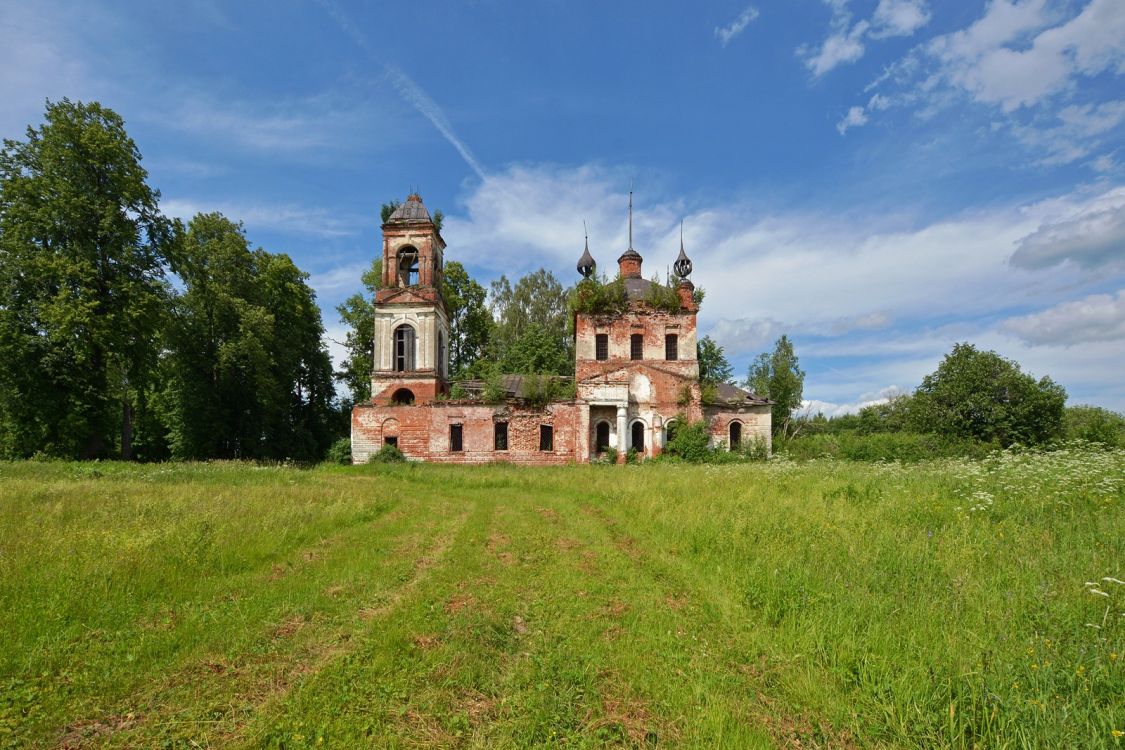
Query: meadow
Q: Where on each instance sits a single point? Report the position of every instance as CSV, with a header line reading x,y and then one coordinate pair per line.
x,y
950,603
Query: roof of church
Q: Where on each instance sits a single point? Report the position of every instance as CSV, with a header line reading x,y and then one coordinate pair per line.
x,y
637,288
411,210
732,394
513,384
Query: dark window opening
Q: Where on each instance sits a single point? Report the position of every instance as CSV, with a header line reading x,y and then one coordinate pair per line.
x,y
441,354
671,346
636,346
735,435
404,348
546,437
501,436
601,437
601,346
670,432
402,397
391,440
455,438
407,266
638,437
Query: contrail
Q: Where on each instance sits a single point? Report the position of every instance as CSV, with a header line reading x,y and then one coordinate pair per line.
x,y
406,88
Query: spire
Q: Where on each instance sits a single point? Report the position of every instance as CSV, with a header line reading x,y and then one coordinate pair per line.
x,y
682,265
630,261
586,264
630,216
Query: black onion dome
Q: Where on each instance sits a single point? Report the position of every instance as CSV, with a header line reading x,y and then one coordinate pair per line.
x,y
586,264
682,266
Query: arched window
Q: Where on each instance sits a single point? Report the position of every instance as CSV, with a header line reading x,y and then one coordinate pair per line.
x,y
407,266
441,354
404,348
402,397
735,435
638,437
601,436
670,431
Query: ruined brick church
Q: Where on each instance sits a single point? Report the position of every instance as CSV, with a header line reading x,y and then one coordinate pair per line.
x,y
636,374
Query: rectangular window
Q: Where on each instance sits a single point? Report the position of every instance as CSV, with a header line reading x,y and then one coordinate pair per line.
x,y
501,436
601,346
455,438
546,437
671,346
636,346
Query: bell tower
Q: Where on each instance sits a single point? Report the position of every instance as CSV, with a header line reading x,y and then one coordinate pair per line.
x,y
411,323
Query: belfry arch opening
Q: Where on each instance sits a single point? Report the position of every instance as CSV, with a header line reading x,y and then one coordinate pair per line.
x,y
407,266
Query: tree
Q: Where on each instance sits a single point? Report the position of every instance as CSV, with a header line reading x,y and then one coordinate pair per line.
x,y
984,396
713,365
357,314
470,322
1095,424
82,248
248,373
779,377
537,299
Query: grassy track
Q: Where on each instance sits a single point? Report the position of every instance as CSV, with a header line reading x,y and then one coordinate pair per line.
x,y
785,605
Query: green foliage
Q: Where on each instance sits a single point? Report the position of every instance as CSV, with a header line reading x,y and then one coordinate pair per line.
x,y
82,251
387,209
713,364
691,441
881,446
609,456
340,452
708,393
438,219
537,351
494,391
598,296
247,372
981,395
387,454
632,456
470,322
457,392
531,325
540,390
358,317
684,397
1095,425
779,377
664,297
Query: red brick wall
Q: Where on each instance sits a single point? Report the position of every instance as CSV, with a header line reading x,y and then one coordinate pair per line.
x,y
423,432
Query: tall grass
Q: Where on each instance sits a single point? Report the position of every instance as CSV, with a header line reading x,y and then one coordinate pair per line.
x,y
947,603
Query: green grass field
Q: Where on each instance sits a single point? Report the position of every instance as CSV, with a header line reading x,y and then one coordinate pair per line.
x,y
821,604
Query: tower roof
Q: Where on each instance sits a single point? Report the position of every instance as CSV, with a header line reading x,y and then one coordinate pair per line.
x,y
411,210
586,264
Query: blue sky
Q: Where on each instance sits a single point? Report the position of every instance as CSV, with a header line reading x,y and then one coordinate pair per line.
x,y
877,178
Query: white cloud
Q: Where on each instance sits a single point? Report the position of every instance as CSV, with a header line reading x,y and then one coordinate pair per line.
x,y
726,33
844,45
1091,235
855,118
899,18
1078,133
1098,317
346,278
316,222
812,407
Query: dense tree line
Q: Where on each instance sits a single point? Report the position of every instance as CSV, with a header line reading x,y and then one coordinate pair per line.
x,y
126,334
